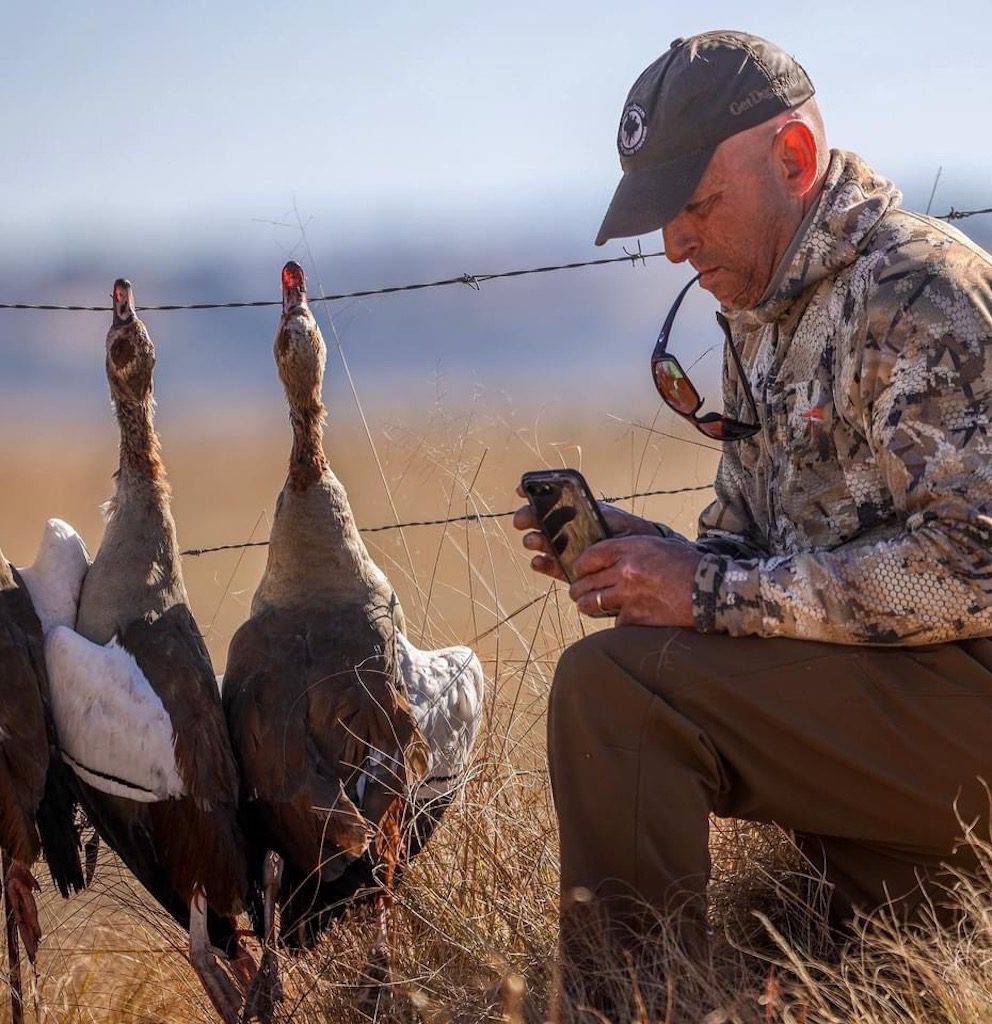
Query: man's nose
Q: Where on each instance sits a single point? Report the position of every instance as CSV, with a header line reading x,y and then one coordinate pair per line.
x,y
680,240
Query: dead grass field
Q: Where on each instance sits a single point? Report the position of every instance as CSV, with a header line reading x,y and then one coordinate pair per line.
x,y
476,917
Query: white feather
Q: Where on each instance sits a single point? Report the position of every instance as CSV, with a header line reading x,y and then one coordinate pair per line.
x,y
55,579
446,689
111,725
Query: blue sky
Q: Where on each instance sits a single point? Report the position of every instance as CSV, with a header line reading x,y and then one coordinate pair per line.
x,y
180,119
174,143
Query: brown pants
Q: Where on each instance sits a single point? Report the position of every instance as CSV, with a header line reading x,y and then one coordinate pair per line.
x,y
871,755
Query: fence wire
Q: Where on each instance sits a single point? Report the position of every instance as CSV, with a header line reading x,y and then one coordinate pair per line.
x,y
471,280
962,214
470,517
474,281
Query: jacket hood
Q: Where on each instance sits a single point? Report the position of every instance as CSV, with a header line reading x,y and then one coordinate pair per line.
x,y
852,204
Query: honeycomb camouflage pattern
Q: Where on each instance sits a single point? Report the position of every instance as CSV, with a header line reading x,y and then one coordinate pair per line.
x,y
861,513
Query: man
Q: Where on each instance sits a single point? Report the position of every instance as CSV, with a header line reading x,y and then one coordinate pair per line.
x,y
818,656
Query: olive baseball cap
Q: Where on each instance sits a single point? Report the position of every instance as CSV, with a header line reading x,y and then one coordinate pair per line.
x,y
699,92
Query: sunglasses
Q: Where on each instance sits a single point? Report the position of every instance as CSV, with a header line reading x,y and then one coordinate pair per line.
x,y
682,397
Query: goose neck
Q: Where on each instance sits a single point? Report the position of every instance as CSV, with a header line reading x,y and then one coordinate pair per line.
x,y
316,554
140,452
307,461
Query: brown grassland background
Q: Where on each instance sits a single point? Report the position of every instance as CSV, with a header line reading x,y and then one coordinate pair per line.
x,y
475,921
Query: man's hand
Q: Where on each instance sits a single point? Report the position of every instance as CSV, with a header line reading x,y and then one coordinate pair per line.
x,y
645,581
620,523
643,578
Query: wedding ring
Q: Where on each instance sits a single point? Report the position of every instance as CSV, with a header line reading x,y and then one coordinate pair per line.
x,y
599,601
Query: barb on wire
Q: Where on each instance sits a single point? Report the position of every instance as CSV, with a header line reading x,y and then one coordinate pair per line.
x,y
953,214
471,517
639,255
474,281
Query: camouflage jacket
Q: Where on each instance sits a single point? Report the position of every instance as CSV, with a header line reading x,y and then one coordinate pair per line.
x,y
861,513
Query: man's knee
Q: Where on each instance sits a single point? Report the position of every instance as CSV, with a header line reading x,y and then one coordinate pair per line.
x,y
582,680
579,669
654,657
599,691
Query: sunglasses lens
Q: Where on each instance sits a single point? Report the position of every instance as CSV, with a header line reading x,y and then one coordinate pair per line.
x,y
675,387
678,392
721,429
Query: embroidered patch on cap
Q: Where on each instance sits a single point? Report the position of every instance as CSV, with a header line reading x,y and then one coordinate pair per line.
x,y
633,130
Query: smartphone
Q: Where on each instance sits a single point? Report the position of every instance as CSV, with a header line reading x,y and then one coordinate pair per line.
x,y
567,513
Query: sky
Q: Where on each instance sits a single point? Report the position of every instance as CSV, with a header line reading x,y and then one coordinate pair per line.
x,y
147,122
182,145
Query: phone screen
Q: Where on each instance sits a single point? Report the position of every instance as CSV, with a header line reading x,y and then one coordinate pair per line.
x,y
566,515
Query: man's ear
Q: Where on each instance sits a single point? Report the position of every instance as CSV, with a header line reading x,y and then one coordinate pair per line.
x,y
796,155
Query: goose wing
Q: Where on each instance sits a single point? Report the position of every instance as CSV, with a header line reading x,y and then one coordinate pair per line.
x,y
324,738
197,837
55,579
446,689
113,728
172,656
140,723
360,714
295,794
55,814
23,737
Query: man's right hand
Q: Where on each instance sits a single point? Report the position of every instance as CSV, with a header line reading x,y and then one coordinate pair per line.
x,y
619,522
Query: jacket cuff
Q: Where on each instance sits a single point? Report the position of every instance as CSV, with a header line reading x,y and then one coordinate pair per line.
x,y
726,596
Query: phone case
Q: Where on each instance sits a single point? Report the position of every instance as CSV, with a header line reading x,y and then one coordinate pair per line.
x,y
566,511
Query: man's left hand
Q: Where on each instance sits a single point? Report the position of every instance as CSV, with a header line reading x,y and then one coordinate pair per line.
x,y
644,581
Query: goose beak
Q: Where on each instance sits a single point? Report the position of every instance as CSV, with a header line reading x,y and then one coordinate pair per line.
x,y
294,287
123,297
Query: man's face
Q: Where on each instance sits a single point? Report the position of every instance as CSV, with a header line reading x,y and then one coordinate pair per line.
x,y
737,224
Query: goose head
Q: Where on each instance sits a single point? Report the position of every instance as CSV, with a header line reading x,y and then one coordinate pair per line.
x,y
130,352
299,349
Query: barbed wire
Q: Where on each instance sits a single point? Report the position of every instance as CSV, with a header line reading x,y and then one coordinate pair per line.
x,y
472,280
470,517
953,214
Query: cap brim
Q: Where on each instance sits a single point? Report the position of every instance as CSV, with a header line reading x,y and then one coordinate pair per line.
x,y
648,198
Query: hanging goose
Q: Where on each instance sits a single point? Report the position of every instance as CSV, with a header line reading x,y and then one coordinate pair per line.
x,y
135,699
350,740
36,803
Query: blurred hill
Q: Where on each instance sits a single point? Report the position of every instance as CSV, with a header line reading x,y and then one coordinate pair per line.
x,y
572,339
564,328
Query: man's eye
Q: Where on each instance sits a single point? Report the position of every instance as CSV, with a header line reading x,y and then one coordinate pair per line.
x,y
703,206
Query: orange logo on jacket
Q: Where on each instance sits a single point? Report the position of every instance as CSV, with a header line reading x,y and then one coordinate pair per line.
x,y
814,417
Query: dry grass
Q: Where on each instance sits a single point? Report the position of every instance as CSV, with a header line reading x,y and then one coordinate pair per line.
x,y
476,920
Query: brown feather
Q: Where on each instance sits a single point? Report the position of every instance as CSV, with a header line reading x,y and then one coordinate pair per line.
x,y
171,653
193,841
307,706
24,750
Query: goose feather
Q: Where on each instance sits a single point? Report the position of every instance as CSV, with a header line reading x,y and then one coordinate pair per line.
x,y
113,727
